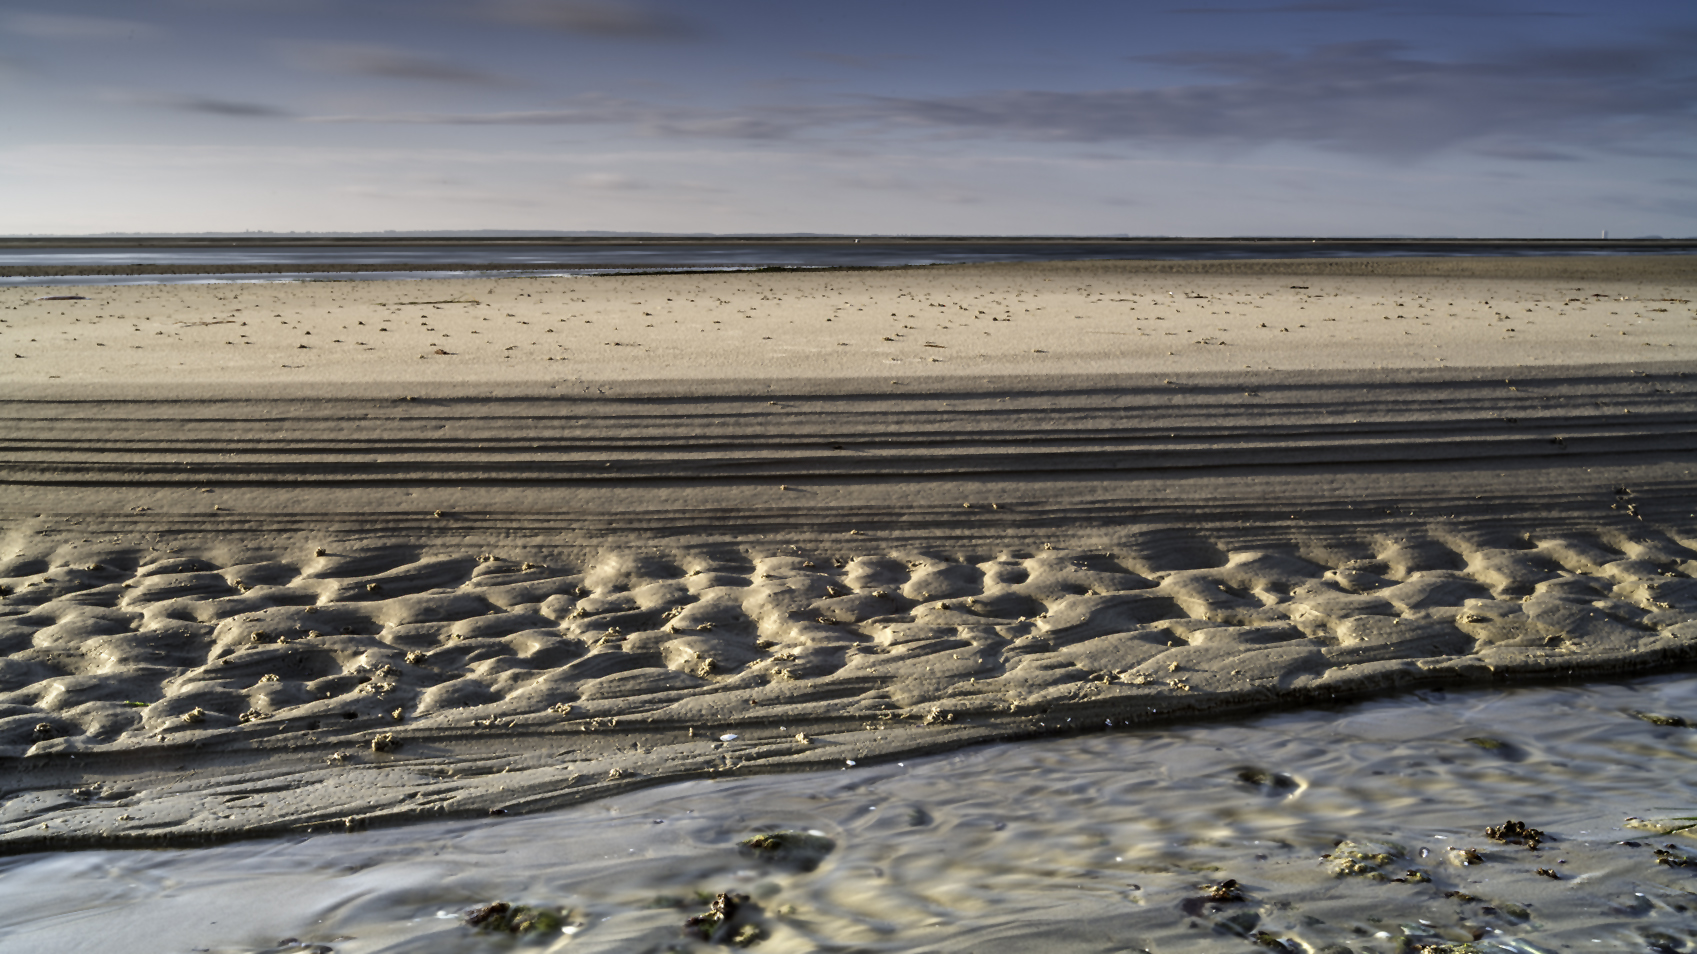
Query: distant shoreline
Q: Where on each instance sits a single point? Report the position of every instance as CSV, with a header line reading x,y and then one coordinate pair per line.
x,y
1641,265
356,241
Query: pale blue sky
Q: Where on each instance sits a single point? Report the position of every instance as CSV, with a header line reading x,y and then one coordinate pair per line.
x,y
1236,117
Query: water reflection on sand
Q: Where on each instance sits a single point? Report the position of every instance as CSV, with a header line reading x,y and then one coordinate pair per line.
x,y
1104,842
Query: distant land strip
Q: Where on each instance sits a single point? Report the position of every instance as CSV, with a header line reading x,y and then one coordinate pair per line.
x,y
1578,267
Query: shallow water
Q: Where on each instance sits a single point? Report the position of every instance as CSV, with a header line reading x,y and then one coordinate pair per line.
x,y
268,278
636,254
1086,843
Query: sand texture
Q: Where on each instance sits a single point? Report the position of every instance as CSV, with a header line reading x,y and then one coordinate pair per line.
x,y
238,602
908,324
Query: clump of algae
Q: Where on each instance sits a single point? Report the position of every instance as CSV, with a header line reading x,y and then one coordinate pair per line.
x,y
502,917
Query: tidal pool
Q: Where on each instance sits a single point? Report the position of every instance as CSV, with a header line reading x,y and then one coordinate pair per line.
x,y
1359,828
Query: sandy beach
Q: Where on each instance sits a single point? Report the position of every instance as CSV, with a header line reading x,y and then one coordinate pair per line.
x,y
326,556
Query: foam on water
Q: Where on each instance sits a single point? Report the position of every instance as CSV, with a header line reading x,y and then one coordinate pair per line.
x,y
1100,842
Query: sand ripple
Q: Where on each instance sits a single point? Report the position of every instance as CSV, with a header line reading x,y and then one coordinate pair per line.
x,y
343,660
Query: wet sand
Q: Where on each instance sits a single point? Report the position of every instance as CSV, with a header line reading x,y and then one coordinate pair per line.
x,y
327,556
1362,829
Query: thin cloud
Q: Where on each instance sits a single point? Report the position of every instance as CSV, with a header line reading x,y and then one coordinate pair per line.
x,y
857,61
643,118
722,127
877,182
12,67
1370,98
1366,98
608,181
426,194
58,26
605,18
1369,6
1527,153
226,107
1317,6
528,117
209,105
365,59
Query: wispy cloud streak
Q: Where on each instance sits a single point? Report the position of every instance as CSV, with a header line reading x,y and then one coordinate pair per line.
x,y
366,59
602,18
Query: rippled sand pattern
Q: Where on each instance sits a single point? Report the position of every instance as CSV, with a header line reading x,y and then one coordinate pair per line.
x,y
348,653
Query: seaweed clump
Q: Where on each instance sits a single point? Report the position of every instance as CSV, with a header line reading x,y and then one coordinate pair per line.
x,y
1664,826
1516,833
1674,722
1271,783
1223,892
502,917
1670,857
1220,892
803,850
727,920
1362,859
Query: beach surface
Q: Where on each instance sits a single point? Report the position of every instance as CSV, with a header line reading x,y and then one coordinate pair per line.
x,y
320,556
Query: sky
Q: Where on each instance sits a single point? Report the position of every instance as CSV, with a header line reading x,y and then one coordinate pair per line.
x,y
1475,118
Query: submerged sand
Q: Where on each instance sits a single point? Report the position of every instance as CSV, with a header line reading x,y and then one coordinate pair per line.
x,y
286,557
1363,828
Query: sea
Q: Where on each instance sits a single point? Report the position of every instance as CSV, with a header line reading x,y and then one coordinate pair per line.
x,y
258,260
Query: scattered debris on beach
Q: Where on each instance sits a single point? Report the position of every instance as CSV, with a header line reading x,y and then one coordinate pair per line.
x,y
1516,833
1678,825
502,917
1223,892
1669,856
1269,783
729,919
1363,859
1664,720
1466,857
802,850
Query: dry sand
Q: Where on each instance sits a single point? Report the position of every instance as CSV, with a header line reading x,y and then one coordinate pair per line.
x,y
911,324
299,556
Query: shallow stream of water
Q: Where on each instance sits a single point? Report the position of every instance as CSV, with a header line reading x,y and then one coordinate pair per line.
x,y
1110,841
